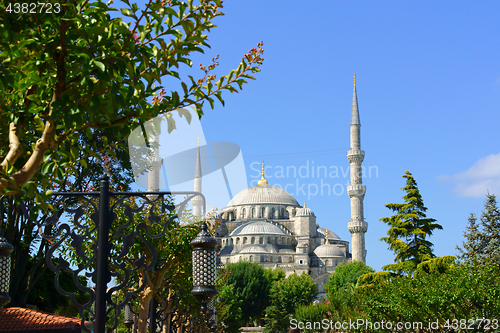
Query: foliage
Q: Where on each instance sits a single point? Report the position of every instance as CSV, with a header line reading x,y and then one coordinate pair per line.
x,y
460,296
462,293
47,298
67,74
346,273
408,231
285,296
437,265
229,308
482,241
250,287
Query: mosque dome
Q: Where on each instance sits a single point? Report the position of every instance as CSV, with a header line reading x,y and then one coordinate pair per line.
x,y
257,228
263,194
305,211
328,250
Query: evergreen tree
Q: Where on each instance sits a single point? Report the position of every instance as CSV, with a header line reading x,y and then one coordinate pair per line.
x,y
408,231
482,242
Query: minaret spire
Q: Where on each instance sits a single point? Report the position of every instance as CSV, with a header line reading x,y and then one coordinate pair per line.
x,y
197,202
357,225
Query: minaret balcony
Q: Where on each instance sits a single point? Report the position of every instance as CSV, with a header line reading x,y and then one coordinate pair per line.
x,y
357,226
355,156
356,190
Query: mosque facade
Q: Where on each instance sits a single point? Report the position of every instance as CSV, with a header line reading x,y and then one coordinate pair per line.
x,y
266,225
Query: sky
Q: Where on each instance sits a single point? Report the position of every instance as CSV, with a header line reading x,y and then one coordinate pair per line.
x,y
428,85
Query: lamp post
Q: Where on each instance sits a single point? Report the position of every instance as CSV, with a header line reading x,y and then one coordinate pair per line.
x,y
128,319
205,273
5,263
5,251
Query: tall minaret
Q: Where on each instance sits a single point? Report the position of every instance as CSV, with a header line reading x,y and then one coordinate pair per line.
x,y
357,225
155,163
197,201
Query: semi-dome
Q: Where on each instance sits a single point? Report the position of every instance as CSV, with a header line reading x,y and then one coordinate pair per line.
x,y
328,250
257,228
321,232
263,194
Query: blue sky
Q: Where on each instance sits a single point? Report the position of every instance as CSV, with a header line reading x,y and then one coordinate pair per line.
x,y
428,82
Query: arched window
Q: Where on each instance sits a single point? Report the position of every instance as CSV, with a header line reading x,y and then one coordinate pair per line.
x,y
244,240
279,259
272,213
282,213
239,259
290,259
253,212
227,260
263,212
275,240
326,262
261,240
243,213
262,258
237,240
268,240
251,258
252,241
232,241
286,214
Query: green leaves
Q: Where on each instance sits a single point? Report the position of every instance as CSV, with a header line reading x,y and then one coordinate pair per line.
x,y
408,230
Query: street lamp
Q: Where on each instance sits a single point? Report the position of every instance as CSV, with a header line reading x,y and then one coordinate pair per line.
x,y
128,319
205,272
5,263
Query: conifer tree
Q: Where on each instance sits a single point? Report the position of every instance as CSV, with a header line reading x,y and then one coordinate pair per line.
x,y
482,242
408,231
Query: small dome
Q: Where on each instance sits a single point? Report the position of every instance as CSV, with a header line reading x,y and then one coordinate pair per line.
x,y
328,250
257,228
253,249
304,211
263,194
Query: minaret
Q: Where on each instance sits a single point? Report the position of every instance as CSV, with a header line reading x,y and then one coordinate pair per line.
x,y
197,201
357,225
155,163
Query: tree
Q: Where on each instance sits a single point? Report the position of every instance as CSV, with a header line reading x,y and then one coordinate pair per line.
x,y
345,274
286,295
67,73
250,286
482,241
408,231
229,308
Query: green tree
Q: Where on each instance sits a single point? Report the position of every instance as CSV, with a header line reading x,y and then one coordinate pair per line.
x,y
286,295
482,241
409,229
345,274
67,73
251,287
229,308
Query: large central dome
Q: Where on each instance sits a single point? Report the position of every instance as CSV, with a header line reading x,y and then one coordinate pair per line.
x,y
263,194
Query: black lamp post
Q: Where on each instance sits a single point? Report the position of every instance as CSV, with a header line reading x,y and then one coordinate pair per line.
x,y
5,263
205,273
5,251
128,319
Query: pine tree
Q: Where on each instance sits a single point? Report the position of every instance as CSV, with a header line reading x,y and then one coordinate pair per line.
x,y
408,231
482,242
